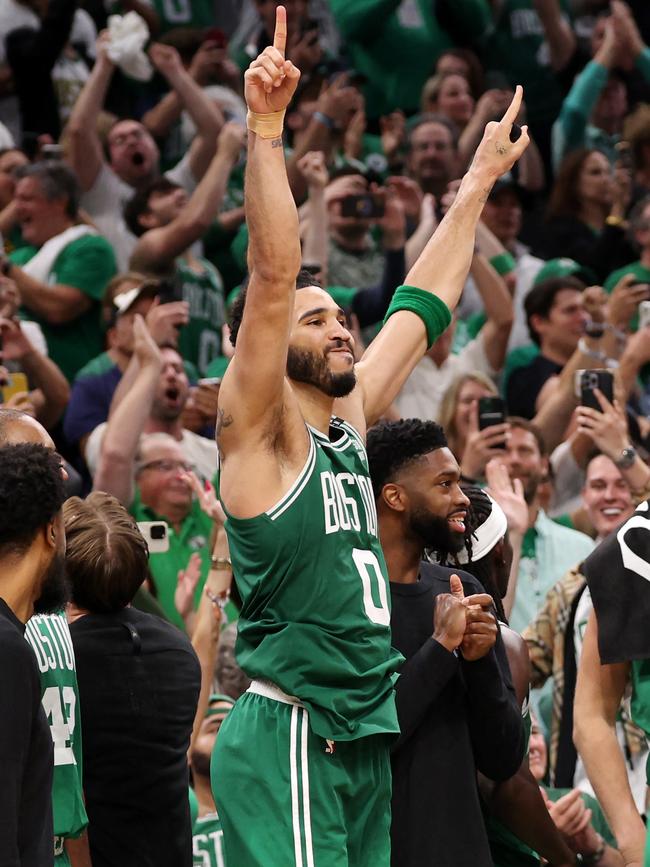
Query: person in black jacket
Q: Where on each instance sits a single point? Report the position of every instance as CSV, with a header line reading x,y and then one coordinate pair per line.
x,y
586,214
31,581
456,704
139,682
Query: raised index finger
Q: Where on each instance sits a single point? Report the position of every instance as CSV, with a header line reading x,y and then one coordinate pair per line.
x,y
513,109
280,35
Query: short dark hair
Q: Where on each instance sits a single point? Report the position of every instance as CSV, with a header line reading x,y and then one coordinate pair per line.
x,y
541,298
517,422
57,181
419,120
392,445
138,204
106,555
32,492
305,278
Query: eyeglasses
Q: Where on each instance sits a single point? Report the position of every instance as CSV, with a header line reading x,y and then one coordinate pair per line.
x,y
122,138
166,466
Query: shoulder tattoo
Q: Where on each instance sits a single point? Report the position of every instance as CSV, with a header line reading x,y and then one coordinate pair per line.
x,y
224,420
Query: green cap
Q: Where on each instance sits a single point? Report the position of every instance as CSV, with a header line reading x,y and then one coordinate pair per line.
x,y
219,698
564,268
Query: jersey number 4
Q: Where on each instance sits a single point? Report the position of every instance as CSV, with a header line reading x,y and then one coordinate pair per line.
x,y
377,610
59,704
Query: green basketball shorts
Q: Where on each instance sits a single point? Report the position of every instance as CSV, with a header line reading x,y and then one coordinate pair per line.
x,y
288,798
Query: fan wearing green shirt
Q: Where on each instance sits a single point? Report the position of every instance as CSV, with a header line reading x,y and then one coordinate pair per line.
x,y
167,223
207,835
63,269
639,271
150,475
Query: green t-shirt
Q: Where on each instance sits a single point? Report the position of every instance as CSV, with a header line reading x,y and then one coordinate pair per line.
x,y
640,704
207,842
49,636
516,45
200,340
97,366
194,537
410,35
598,820
177,13
217,366
87,264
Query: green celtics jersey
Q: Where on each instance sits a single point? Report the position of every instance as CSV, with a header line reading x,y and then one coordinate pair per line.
x,y
506,848
49,636
207,842
175,13
200,340
640,703
311,573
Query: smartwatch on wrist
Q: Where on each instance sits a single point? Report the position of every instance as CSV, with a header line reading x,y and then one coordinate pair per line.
x,y
595,329
626,458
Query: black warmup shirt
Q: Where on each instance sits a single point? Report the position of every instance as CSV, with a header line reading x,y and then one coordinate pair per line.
x,y
525,383
456,717
139,682
26,753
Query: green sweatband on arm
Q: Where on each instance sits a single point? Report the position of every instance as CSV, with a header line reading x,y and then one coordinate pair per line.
x,y
503,263
432,310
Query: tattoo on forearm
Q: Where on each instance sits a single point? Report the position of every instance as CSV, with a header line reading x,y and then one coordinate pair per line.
x,y
223,420
484,196
276,143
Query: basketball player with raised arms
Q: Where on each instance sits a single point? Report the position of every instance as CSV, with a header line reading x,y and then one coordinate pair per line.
x,y
301,770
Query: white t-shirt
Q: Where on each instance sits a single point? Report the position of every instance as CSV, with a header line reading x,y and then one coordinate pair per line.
x,y
423,391
198,450
106,199
526,269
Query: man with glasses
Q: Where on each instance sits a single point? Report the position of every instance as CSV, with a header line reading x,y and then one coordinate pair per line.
x,y
131,159
144,457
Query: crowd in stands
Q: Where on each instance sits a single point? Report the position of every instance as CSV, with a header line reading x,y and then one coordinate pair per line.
x,y
123,150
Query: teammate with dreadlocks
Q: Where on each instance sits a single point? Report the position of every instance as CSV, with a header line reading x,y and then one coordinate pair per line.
x,y
456,706
487,554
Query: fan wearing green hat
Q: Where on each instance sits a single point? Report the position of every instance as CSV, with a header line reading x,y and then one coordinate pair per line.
x,y
207,835
564,267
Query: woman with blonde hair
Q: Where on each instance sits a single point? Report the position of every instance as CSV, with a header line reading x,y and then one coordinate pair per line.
x,y
472,447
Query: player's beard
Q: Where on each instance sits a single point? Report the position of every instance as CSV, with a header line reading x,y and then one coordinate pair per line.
x,y
201,763
305,366
436,533
54,589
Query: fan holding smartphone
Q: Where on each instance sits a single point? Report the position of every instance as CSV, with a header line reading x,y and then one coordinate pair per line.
x,y
487,436
601,419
